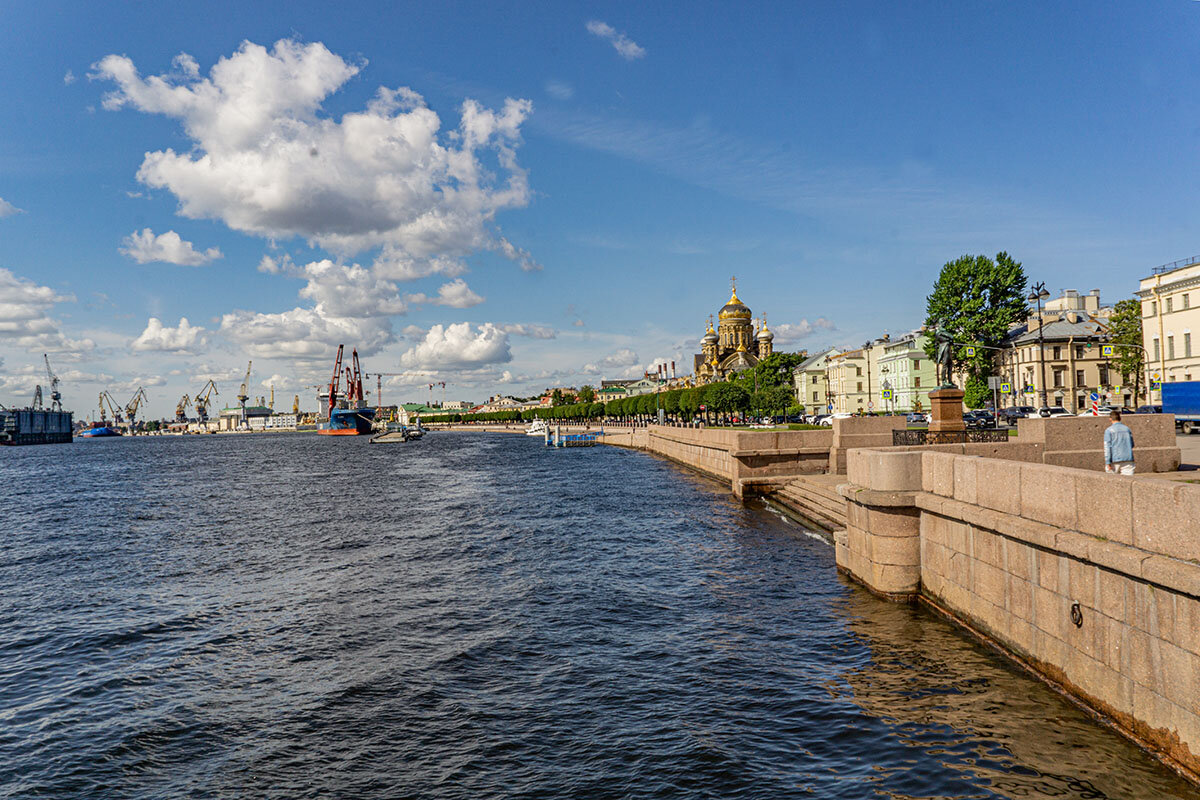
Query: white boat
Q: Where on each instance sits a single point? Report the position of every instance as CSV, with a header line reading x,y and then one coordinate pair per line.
x,y
537,428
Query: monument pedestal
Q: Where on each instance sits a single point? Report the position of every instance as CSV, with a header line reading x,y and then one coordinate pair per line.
x,y
947,412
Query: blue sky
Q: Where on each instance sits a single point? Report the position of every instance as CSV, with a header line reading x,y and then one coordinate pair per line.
x,y
618,163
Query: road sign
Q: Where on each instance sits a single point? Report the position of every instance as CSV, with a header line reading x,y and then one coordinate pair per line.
x,y
1094,397
870,405
702,408
1006,388
1028,389
1106,350
1155,385
970,352
886,394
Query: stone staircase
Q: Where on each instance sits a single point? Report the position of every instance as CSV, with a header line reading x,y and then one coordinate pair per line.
x,y
815,498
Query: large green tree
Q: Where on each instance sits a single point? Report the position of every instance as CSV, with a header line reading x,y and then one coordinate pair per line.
x,y
777,369
726,397
977,300
587,394
1125,333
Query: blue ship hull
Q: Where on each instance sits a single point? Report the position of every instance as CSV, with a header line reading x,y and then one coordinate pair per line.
x,y
347,422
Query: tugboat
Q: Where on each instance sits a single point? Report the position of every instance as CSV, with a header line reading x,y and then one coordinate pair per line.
x,y
537,428
348,415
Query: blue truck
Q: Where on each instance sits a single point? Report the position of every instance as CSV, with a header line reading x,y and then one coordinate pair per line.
x,y
1182,398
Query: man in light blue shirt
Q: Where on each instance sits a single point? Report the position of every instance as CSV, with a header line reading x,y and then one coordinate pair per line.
x,y
1118,446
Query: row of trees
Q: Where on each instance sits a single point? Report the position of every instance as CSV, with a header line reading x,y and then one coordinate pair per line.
x,y
764,389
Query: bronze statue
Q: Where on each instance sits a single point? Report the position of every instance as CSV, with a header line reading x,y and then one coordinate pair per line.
x,y
945,355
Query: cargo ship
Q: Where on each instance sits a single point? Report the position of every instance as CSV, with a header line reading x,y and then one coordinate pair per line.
x,y
100,429
345,414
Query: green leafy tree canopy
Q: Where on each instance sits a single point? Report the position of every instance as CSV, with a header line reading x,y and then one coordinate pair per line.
x,y
1125,332
977,300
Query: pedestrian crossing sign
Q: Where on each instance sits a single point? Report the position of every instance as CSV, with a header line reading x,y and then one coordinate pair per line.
x,y
1106,350
970,352
1006,388
885,394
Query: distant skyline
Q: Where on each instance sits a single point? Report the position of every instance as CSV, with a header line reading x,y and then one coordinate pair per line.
x,y
507,198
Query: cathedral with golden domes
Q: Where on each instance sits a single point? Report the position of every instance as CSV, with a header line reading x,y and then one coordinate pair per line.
x,y
734,346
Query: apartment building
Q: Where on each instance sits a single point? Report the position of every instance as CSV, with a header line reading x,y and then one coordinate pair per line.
x,y
1061,351
811,381
907,371
1170,313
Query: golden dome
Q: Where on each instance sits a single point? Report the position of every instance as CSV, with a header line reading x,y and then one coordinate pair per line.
x,y
734,309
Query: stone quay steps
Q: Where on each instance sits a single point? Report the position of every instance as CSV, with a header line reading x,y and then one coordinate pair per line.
x,y
815,497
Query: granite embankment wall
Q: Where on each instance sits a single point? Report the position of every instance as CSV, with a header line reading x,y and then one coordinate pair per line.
x,y
1092,580
749,461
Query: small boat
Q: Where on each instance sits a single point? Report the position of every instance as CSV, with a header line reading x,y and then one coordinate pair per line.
x,y
537,428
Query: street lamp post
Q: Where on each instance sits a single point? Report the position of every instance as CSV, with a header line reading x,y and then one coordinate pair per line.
x,y
1037,295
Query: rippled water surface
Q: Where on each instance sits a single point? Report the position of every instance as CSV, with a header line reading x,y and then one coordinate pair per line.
x,y
475,616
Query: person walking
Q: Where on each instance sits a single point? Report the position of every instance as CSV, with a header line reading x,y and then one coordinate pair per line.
x,y
1118,446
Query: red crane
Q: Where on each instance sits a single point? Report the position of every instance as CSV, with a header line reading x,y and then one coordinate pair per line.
x,y
335,381
354,386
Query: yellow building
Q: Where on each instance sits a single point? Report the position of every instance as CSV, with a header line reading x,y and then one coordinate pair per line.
x,y
1066,347
1170,311
734,346
812,382
847,388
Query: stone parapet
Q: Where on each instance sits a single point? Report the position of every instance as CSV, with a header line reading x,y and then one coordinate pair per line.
x,y
1091,579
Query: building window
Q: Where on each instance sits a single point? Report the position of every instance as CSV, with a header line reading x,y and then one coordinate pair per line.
x,y
917,364
1187,301
1170,347
917,382
814,397
1056,353
1187,345
1156,350
1170,303
1058,378
860,387
858,373
1078,351
1153,308
1080,380
1103,376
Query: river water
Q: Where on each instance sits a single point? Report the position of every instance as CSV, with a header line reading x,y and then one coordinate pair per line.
x,y
475,616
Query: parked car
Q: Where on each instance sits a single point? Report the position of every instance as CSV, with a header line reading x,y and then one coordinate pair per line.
x,y
1014,413
821,419
1101,411
980,418
1054,411
916,418
1149,410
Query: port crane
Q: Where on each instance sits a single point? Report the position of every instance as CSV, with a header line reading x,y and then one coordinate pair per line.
x,y
243,394
296,405
113,408
181,408
55,397
335,383
131,408
202,400
37,398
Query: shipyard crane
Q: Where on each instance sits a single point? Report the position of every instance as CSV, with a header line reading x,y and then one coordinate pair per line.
x,y
202,400
296,405
354,385
113,408
181,408
243,394
37,398
131,408
55,397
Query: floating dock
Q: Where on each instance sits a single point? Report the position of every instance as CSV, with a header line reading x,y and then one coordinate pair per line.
x,y
35,426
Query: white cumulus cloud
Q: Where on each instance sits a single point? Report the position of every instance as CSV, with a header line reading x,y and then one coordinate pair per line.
x,y
25,319
457,346
144,247
627,48
530,330
790,333
7,209
183,338
264,159
304,333
622,361
455,294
